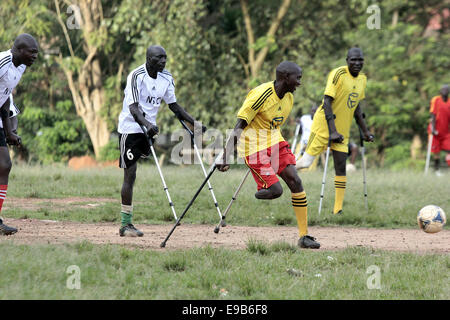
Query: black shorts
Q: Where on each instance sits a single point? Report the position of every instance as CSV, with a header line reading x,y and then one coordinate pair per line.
x,y
132,146
2,138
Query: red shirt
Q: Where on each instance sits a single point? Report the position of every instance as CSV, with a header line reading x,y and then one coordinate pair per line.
x,y
441,110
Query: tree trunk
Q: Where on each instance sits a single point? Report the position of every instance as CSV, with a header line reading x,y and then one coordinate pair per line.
x,y
255,61
86,86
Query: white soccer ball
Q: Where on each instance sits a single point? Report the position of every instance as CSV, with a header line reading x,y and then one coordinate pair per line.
x,y
431,219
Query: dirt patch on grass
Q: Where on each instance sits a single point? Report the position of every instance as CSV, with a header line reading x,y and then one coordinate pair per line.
x,y
37,203
187,236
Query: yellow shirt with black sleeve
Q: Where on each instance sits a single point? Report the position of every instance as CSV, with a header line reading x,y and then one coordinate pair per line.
x,y
347,91
264,113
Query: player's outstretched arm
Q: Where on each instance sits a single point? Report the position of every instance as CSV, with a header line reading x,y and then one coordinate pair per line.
x,y
11,137
182,114
359,117
329,116
231,145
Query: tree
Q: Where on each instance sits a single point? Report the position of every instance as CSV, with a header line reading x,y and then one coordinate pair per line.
x,y
83,71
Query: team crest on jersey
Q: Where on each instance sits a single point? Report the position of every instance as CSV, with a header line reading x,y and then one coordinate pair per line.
x,y
276,122
352,101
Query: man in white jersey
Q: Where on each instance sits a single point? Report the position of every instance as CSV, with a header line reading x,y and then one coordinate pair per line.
x,y
12,65
147,86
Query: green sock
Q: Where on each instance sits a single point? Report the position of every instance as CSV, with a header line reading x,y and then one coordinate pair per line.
x,y
126,214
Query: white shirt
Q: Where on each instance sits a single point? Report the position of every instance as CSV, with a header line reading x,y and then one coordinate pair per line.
x,y
305,122
148,92
9,78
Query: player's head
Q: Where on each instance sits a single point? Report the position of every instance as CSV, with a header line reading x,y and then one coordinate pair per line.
x,y
156,58
25,49
289,74
444,91
355,60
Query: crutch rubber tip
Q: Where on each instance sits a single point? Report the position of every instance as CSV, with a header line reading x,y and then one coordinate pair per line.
x,y
163,245
216,230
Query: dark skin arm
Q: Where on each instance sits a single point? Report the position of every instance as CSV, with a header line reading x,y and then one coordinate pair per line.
x,y
11,137
334,135
138,116
362,124
231,144
183,115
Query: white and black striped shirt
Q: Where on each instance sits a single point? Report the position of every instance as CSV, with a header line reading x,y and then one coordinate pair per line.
x,y
10,76
149,93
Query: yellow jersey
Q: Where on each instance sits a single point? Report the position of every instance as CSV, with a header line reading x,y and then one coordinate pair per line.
x,y
264,113
347,91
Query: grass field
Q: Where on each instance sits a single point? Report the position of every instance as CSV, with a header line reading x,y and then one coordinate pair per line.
x,y
258,272
394,197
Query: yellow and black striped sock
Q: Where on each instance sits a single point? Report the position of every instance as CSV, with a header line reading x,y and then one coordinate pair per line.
x,y
339,184
300,206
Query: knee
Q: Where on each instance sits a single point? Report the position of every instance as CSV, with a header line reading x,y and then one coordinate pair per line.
x,y
5,167
294,184
129,177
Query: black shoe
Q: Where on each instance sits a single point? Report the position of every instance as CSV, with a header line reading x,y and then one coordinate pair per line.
x,y
130,231
308,242
5,230
339,213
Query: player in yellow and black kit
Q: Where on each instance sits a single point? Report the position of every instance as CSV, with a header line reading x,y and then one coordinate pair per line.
x,y
343,93
263,147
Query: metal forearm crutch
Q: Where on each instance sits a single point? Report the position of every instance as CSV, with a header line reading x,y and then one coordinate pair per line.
x,y
163,244
222,222
364,168
324,175
166,189
203,167
430,143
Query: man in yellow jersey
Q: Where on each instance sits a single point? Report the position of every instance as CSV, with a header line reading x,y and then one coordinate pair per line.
x,y
266,152
332,121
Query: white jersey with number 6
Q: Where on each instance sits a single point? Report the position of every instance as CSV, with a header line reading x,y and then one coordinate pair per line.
x,y
149,93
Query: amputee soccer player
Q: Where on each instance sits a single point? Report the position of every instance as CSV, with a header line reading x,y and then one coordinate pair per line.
x,y
440,126
266,152
147,86
341,103
13,64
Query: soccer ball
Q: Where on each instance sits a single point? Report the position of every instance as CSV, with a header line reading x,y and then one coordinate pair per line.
x,y
431,219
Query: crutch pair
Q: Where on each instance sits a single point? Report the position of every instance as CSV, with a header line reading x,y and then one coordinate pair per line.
x,y
166,189
363,160
207,176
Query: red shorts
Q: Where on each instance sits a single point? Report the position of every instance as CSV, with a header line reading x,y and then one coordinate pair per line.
x,y
268,163
440,142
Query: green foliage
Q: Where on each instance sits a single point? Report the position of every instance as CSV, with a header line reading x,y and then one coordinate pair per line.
x,y
53,135
110,152
207,46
